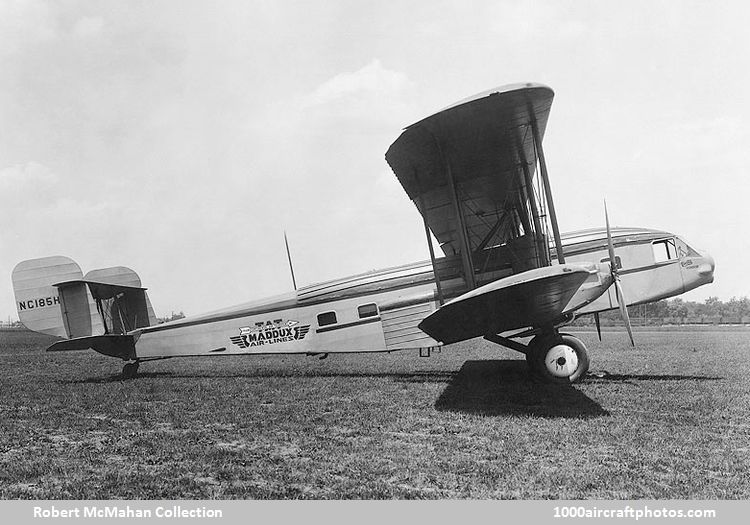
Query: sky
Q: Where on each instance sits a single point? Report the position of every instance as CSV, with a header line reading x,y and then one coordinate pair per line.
x,y
182,138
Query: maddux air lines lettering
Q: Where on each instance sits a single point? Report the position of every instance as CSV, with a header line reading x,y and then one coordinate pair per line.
x,y
270,332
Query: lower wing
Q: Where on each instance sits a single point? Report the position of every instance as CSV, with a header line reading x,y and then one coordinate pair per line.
x,y
539,297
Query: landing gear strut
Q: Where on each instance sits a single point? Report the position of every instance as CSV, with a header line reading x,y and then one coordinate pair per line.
x,y
130,370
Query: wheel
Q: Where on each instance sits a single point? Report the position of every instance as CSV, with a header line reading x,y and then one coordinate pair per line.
x,y
130,370
561,359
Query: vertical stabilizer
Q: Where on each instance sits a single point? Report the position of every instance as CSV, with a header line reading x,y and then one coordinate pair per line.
x,y
122,302
43,308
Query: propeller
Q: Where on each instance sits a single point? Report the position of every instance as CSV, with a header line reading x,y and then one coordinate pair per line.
x,y
598,325
616,279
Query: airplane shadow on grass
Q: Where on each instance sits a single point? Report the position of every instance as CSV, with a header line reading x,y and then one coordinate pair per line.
x,y
504,387
480,387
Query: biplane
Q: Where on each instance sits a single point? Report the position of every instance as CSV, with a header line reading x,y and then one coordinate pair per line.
x,y
477,173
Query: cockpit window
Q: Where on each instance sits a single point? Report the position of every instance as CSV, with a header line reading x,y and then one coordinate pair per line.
x,y
664,250
684,249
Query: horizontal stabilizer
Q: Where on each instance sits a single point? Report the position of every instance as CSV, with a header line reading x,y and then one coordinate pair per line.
x,y
122,346
534,298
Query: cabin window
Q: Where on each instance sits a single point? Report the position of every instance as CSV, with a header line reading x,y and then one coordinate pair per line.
x,y
368,310
664,250
618,262
327,318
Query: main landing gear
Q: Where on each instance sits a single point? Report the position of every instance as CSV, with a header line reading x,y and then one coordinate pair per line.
x,y
552,356
130,370
558,358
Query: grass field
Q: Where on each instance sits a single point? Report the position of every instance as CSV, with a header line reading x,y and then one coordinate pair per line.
x,y
669,420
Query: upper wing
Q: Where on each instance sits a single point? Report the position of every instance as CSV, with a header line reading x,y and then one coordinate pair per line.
x,y
482,151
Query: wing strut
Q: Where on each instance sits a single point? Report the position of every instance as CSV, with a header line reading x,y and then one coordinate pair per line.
x,y
432,250
489,236
534,211
548,192
465,251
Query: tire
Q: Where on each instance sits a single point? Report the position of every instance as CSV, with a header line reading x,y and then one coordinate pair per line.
x,y
130,370
560,359
532,357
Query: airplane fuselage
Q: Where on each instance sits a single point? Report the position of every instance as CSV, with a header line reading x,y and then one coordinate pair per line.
x,y
379,311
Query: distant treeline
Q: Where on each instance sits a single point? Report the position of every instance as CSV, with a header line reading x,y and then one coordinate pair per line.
x,y
678,311
172,317
16,325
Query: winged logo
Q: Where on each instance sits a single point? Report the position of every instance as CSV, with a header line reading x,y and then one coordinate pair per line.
x,y
239,341
301,331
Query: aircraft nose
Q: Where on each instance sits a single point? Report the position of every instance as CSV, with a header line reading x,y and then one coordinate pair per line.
x,y
707,266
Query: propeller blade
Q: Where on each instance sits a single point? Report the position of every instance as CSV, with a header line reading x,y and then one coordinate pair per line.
x,y
616,279
598,325
623,309
610,245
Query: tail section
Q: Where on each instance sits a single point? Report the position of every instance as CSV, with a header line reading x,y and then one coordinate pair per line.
x,y
54,297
